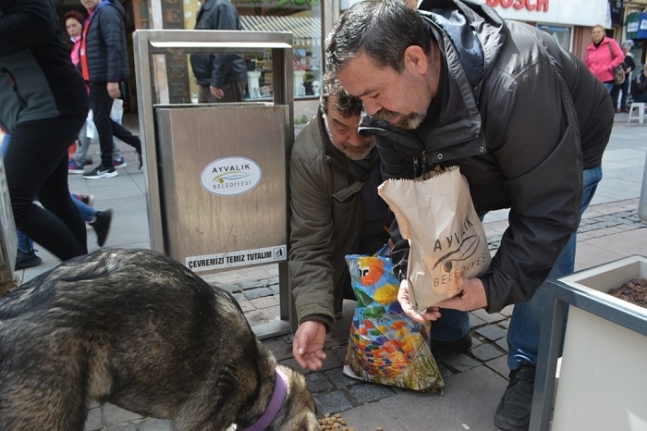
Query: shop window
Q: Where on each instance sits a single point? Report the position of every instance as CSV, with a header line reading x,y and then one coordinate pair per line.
x,y
562,34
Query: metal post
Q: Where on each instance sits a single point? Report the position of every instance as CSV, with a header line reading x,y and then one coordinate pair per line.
x,y
642,205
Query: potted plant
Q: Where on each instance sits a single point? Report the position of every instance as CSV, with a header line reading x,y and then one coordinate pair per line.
x,y
602,378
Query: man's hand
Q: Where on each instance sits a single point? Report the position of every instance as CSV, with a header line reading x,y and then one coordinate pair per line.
x,y
431,313
307,346
472,297
216,92
113,90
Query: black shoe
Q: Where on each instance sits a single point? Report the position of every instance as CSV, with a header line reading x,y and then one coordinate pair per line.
x,y
445,349
138,148
102,226
513,413
27,260
101,172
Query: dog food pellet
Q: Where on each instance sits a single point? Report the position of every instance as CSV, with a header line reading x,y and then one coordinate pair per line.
x,y
334,422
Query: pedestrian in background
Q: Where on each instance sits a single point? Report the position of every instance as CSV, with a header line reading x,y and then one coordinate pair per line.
x,y
74,25
104,65
43,104
603,56
221,77
639,86
622,90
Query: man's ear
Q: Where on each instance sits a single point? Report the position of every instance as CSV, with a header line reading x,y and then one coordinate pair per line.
x,y
415,59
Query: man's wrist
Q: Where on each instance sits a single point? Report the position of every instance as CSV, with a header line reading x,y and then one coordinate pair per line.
x,y
325,320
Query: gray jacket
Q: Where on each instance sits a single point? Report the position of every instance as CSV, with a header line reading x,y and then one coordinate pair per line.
x,y
327,205
38,80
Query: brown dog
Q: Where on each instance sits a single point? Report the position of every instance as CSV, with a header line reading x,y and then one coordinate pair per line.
x,y
141,331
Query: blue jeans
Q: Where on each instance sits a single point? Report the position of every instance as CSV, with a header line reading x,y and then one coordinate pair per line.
x,y
609,87
87,212
523,333
452,325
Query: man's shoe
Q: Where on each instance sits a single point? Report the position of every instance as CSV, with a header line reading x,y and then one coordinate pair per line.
x,y
101,172
445,349
74,168
119,163
102,226
513,413
27,260
625,110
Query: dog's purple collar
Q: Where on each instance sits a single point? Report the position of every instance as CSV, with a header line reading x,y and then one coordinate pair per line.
x,y
278,396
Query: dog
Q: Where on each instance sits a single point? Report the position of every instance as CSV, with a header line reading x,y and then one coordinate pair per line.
x,y
141,331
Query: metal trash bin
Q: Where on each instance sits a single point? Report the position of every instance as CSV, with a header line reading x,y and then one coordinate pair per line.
x,y
216,174
222,175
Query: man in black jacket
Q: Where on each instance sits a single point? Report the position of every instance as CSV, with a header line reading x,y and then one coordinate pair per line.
x,y
526,122
104,65
221,78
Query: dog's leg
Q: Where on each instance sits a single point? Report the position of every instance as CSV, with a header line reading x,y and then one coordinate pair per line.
x,y
43,391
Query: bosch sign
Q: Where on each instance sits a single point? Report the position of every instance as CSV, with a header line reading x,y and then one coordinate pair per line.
x,y
531,5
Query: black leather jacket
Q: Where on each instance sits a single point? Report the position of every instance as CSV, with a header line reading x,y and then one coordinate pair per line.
x,y
522,118
221,69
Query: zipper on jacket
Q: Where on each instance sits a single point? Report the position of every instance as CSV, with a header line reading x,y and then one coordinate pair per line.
x,y
415,167
12,81
424,163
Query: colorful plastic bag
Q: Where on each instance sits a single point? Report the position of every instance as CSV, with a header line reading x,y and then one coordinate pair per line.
x,y
385,346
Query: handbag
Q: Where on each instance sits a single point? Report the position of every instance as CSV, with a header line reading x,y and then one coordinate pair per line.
x,y
619,75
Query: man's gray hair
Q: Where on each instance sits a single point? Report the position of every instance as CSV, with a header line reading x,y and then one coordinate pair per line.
x,y
383,29
346,104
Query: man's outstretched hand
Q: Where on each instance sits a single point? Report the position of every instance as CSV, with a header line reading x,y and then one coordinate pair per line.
x,y
307,346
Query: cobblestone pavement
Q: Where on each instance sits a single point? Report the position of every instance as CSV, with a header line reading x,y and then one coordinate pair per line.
x,y
335,392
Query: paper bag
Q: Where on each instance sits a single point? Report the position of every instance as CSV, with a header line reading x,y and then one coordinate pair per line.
x,y
447,240
385,346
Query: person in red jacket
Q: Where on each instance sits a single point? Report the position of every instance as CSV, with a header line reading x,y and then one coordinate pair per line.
x,y
603,56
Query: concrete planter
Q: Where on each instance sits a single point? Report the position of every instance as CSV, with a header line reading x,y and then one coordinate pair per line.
x,y
602,380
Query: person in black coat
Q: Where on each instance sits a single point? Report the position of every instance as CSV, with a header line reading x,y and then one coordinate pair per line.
x,y
104,65
221,77
639,86
629,66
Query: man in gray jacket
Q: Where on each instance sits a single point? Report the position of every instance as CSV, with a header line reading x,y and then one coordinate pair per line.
x,y
335,211
221,77
526,122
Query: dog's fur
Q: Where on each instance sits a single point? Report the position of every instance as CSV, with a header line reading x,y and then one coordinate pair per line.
x,y
141,331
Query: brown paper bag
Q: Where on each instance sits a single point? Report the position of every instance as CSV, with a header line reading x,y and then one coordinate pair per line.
x,y
446,238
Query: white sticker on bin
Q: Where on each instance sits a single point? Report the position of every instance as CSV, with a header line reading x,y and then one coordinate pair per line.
x,y
230,176
257,256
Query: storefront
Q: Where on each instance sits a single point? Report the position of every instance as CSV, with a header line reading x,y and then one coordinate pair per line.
x,y
636,30
568,21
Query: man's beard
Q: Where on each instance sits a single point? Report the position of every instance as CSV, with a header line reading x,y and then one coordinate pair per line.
x,y
353,152
407,122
